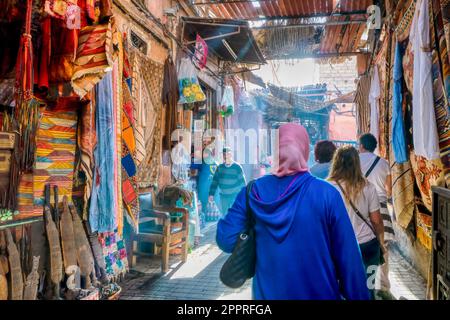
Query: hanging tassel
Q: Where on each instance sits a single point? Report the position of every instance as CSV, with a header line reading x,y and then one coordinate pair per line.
x,y
27,106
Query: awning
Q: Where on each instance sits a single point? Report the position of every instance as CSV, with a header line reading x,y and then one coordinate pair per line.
x,y
231,40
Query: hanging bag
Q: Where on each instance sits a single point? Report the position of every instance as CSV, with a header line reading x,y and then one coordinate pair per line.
x,y
190,89
240,266
226,107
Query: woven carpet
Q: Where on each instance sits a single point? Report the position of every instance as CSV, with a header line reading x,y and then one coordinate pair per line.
x,y
55,161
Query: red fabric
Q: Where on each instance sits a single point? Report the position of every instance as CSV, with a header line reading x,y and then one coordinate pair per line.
x,y
129,194
44,61
63,50
293,150
24,64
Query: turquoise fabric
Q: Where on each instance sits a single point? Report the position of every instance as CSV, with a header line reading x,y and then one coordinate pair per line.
x,y
398,127
102,210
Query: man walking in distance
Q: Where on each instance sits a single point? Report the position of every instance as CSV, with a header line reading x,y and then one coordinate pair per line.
x,y
229,177
377,171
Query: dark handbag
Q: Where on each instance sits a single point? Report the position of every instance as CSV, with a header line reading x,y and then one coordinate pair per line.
x,y
240,266
358,213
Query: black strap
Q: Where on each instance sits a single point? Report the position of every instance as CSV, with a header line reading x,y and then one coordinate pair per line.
x,y
356,210
250,217
372,166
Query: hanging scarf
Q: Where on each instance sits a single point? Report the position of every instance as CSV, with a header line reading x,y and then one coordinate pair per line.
x,y
103,203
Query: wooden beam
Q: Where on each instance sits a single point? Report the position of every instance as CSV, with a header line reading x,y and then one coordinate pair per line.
x,y
305,25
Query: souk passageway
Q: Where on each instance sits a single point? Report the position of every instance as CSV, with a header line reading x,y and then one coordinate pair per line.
x,y
197,279
143,141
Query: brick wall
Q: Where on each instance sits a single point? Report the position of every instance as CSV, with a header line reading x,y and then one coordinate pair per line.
x,y
342,125
342,75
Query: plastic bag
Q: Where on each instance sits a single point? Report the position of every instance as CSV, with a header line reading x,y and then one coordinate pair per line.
x,y
190,89
212,211
226,107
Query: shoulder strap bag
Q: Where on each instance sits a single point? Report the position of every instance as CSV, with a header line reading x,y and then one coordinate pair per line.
x,y
374,164
359,214
240,266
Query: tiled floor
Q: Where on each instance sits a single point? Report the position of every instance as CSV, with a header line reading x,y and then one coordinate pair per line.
x,y
198,278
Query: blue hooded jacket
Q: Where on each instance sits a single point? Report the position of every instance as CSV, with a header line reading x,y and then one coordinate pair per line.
x,y
305,243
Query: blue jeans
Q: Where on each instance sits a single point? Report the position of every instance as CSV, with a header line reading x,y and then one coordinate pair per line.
x,y
226,201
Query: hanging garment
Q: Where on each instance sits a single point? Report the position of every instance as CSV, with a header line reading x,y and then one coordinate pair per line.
x,y
170,96
374,96
103,204
425,136
398,129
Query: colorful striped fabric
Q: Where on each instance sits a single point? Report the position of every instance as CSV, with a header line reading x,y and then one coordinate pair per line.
x,y
55,161
93,58
129,167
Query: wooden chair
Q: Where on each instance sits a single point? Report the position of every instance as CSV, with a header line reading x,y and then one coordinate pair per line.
x,y
160,231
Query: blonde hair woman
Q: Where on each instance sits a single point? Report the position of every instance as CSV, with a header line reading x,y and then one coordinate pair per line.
x,y
361,200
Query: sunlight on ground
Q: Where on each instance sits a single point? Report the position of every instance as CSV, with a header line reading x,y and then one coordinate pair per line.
x,y
245,294
203,256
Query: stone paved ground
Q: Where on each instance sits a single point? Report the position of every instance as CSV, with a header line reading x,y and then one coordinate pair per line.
x,y
198,278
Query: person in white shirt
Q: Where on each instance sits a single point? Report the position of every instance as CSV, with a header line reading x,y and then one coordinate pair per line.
x,y
377,171
361,199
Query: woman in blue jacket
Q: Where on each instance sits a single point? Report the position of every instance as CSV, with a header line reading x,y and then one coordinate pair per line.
x,y
305,244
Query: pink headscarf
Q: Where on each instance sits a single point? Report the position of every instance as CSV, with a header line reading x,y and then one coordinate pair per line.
x,y
293,150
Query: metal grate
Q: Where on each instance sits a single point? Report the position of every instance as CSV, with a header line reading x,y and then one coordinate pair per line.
x,y
138,43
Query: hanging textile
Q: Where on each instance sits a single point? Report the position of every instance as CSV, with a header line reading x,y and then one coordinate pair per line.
x,y
132,64
170,97
94,57
374,96
441,87
103,204
117,77
402,174
55,160
129,168
427,173
114,251
362,104
425,136
87,141
408,67
406,15
384,62
64,44
26,113
398,129
150,167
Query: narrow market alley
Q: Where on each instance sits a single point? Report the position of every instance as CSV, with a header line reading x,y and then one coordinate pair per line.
x,y
311,138
198,278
